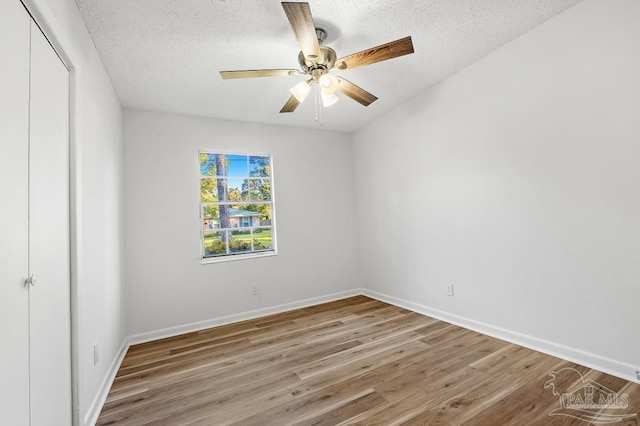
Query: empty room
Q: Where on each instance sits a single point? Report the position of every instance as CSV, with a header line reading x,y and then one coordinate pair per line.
x,y
319,213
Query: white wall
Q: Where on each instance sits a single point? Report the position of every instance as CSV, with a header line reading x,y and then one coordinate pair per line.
x,y
96,145
518,180
167,286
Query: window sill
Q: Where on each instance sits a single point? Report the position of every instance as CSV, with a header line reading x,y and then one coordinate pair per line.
x,y
229,258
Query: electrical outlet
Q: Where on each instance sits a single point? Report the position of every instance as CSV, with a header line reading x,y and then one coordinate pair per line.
x,y
255,289
637,374
449,289
96,353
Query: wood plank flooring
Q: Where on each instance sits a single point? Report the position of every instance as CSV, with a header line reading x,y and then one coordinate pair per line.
x,y
356,361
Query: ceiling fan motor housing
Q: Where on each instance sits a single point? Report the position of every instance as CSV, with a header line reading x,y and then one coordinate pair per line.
x,y
326,61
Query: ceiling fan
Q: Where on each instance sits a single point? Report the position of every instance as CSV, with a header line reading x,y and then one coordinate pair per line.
x,y
317,61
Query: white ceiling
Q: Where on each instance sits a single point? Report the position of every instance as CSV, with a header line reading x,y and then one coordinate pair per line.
x,y
165,55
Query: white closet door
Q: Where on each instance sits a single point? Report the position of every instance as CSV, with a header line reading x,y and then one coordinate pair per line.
x,y
14,155
49,298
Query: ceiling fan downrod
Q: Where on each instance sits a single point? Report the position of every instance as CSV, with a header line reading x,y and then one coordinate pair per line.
x,y
321,33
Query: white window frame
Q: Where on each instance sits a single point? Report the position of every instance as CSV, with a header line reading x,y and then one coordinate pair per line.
x,y
204,259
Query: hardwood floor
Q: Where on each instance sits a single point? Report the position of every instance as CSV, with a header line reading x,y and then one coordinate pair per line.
x,y
355,361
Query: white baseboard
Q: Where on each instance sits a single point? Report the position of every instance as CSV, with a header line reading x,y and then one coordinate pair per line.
x,y
606,365
91,417
93,413
215,322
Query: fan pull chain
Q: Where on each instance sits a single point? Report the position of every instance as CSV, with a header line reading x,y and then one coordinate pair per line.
x,y
318,104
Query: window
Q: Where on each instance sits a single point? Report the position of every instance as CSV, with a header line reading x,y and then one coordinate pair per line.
x,y
236,206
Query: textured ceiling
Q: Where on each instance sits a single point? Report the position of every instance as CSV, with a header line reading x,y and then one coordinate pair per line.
x,y
164,55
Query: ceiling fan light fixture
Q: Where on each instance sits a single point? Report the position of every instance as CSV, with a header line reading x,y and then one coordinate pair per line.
x,y
328,84
301,90
328,99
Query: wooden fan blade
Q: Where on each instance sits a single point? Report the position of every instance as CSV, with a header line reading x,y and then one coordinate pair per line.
x,y
401,47
257,73
291,105
356,93
301,20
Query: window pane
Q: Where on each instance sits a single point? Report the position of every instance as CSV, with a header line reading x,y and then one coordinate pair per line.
x,y
208,190
211,214
259,189
262,239
259,166
207,164
234,189
213,244
243,215
257,213
240,241
237,165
